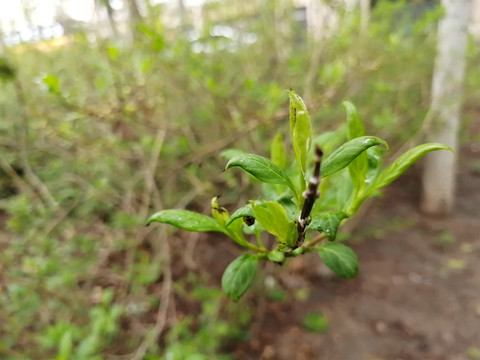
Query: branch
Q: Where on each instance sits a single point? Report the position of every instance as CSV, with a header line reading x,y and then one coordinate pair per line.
x,y
314,241
150,172
152,337
31,177
21,184
310,195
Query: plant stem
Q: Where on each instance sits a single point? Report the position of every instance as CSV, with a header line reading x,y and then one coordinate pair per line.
x,y
259,240
240,240
314,241
310,195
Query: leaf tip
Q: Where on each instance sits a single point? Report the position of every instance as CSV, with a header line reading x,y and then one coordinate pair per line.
x,y
384,143
346,104
151,219
448,148
228,166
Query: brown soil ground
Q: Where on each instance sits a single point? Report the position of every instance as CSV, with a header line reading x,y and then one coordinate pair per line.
x,y
417,295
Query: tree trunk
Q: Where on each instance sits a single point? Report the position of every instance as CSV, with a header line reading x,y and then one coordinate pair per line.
x,y
475,28
182,11
134,12
439,173
111,18
135,16
2,43
364,15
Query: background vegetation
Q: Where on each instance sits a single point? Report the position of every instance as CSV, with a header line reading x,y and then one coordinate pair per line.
x,y
96,135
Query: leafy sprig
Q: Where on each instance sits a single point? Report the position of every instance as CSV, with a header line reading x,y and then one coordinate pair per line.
x,y
293,207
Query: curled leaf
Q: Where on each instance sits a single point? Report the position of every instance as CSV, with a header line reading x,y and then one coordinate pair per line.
x,y
300,129
220,214
244,211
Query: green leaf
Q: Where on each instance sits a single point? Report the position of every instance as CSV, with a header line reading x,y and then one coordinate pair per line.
x,y
315,322
290,207
65,346
187,220
300,129
327,222
261,168
336,190
146,30
112,52
146,65
277,151
242,212
230,153
158,40
273,217
239,276
358,167
355,126
346,153
404,161
52,83
340,259
374,160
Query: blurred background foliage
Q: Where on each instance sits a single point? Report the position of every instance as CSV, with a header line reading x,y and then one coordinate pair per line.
x,y
97,134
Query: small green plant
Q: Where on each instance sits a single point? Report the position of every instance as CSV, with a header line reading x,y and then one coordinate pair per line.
x,y
315,322
473,353
293,208
74,342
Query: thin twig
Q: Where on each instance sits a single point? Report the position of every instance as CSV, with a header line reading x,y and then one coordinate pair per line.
x,y
228,140
162,312
21,184
314,241
188,258
57,220
32,178
150,172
